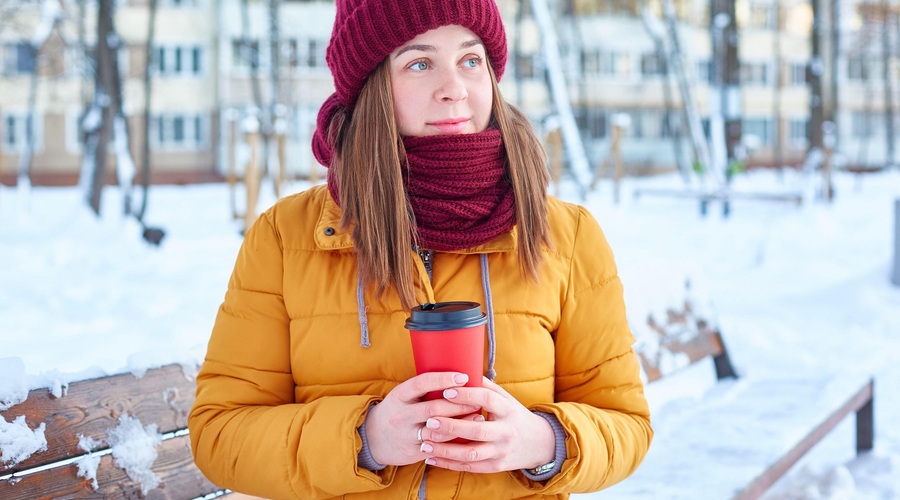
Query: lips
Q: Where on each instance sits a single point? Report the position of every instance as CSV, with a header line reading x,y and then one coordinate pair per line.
x,y
450,125
450,121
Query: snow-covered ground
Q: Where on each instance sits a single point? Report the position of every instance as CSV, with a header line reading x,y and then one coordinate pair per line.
x,y
795,289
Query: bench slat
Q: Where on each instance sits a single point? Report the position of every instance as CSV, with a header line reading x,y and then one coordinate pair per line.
x,y
762,483
735,441
685,353
179,479
91,408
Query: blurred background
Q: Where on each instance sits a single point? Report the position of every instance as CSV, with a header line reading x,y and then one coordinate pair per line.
x,y
182,91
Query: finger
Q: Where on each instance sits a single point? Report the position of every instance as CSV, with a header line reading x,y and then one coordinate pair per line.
x,y
417,387
442,408
476,429
483,397
463,454
484,466
437,432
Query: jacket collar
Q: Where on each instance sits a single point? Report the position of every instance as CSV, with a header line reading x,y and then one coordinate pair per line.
x,y
330,236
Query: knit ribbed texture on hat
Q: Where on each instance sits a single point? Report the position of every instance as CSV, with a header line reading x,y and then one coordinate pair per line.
x,y
367,31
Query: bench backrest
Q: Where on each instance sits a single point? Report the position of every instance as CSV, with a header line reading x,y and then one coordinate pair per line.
x,y
93,408
682,340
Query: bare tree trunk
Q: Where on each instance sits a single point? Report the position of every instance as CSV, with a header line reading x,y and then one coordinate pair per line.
x,y
254,78
674,121
778,79
107,97
814,78
99,135
274,85
698,138
727,72
890,159
835,36
49,19
27,154
517,50
148,94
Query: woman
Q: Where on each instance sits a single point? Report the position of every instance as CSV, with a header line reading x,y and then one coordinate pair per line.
x,y
436,192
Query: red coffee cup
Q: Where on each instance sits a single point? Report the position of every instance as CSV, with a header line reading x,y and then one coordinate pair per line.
x,y
448,337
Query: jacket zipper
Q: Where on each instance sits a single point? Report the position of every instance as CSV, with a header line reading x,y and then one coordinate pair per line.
x,y
427,259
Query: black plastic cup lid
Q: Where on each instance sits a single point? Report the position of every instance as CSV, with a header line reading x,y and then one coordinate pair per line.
x,y
445,316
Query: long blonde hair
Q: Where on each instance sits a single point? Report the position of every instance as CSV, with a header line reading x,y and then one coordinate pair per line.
x,y
367,166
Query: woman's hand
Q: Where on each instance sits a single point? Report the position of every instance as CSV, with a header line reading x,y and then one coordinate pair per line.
x,y
511,438
392,426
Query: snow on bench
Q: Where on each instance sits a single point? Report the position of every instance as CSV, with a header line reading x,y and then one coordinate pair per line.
x,y
119,436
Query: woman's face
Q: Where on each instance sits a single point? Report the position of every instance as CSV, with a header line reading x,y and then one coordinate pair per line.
x,y
440,83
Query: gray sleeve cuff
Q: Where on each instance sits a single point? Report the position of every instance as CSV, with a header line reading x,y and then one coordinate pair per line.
x,y
560,434
364,458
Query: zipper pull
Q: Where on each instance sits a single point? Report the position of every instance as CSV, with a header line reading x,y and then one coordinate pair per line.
x,y
427,259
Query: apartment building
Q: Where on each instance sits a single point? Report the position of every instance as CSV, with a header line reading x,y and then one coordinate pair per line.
x,y
184,105
213,81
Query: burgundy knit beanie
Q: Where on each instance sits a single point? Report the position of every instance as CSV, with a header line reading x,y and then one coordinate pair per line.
x,y
367,31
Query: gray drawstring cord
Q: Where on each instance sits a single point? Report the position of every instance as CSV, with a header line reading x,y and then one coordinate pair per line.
x,y
422,488
361,309
489,307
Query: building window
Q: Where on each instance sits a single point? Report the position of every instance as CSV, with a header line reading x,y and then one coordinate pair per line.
x,y
754,73
528,66
800,132
315,56
798,73
598,62
762,16
244,53
858,69
864,124
652,64
178,60
14,129
179,132
621,7
594,121
704,71
19,58
670,124
759,127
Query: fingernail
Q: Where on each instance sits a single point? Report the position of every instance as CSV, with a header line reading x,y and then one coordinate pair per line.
x,y
479,418
450,393
426,448
432,423
430,461
460,378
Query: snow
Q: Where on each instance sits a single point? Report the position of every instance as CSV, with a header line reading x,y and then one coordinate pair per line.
x,y
18,441
51,13
87,465
134,449
796,291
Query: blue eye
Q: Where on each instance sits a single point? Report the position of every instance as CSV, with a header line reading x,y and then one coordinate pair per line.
x,y
472,62
419,66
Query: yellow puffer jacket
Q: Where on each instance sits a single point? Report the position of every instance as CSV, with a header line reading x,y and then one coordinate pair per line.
x,y
295,359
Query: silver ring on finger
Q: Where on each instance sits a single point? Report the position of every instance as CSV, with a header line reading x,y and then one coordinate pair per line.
x,y
419,434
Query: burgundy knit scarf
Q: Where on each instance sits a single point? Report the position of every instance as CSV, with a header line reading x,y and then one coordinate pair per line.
x,y
458,188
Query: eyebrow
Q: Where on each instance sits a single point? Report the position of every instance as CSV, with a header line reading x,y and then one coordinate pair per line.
x,y
432,48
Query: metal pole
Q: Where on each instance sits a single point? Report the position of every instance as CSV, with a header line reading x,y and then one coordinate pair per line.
x,y
896,278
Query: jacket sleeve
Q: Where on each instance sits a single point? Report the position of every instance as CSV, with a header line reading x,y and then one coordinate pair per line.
x,y
599,392
247,433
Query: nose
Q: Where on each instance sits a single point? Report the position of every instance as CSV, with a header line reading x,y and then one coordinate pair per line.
x,y
451,88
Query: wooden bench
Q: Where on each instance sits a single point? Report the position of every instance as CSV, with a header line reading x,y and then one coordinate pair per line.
x,y
739,441
102,409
